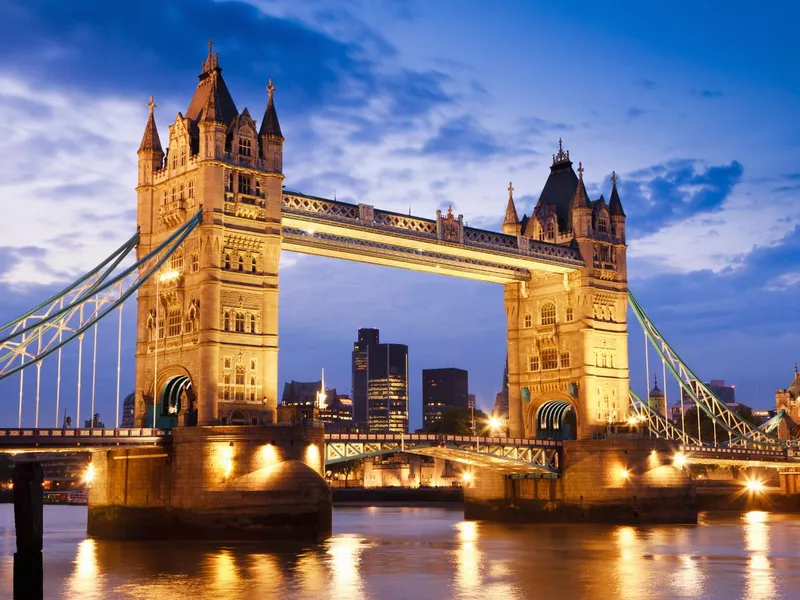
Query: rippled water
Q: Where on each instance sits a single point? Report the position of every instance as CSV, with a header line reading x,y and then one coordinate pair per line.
x,y
421,553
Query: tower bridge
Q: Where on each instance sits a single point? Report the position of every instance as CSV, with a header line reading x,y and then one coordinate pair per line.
x,y
213,217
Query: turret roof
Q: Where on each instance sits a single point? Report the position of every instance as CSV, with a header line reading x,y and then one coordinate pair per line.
x,y
150,139
614,203
211,101
511,210
270,124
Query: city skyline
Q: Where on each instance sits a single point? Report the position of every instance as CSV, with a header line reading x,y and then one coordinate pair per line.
x,y
711,195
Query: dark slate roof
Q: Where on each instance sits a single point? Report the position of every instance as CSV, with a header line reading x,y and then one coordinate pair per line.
x,y
614,204
212,96
511,213
270,124
558,192
150,139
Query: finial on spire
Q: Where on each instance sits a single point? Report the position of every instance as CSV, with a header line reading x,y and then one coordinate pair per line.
x,y
560,149
655,380
151,105
580,170
210,47
614,178
270,89
450,212
510,191
212,61
795,368
561,156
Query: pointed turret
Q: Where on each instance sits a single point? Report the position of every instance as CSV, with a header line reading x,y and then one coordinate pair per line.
x,y
511,224
150,139
615,204
211,101
270,125
657,399
580,199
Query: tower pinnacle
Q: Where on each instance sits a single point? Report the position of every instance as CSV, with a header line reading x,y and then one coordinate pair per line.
x,y
150,139
270,124
511,225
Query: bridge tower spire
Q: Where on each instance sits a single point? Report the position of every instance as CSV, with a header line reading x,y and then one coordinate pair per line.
x,y
217,297
511,224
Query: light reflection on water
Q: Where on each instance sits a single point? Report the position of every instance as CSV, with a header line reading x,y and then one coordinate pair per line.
x,y
420,553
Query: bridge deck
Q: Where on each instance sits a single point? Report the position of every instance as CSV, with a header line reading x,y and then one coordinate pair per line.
x,y
55,440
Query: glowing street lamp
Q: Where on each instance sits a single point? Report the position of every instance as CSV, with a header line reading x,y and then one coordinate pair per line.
x,y
495,424
679,460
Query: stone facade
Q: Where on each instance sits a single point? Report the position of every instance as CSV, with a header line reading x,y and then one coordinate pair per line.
x,y
214,308
567,333
215,483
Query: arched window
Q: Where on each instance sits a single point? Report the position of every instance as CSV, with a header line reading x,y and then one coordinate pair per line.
x,y
570,315
183,194
195,263
241,263
239,375
541,234
245,146
174,160
229,181
239,323
226,321
191,189
183,156
550,231
549,359
548,314
151,326
244,184
252,323
602,225
253,264
226,387
173,194
226,262
258,188
189,327
164,197
239,381
176,260
252,389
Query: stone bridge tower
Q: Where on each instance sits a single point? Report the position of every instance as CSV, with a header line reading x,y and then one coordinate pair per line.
x,y
567,334
207,337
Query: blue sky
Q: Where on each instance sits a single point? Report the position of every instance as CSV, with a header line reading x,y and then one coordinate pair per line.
x,y
419,105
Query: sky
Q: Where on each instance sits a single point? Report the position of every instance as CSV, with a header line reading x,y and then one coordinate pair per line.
x,y
417,105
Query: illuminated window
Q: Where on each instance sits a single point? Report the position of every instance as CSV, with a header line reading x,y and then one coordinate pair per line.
x,y
229,181
227,363
240,322
241,263
226,262
252,323
549,359
226,323
176,260
195,263
173,194
548,314
252,365
528,321
191,189
183,156
534,363
226,388
258,188
244,184
253,265
570,316
183,193
174,323
564,360
550,231
245,146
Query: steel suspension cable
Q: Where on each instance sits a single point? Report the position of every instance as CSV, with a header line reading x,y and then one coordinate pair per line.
x,y
119,353
94,374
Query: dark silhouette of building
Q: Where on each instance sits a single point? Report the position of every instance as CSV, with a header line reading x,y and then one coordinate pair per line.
x,y
127,410
367,343
443,389
334,410
500,409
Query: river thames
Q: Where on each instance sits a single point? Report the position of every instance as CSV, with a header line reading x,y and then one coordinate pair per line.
x,y
420,553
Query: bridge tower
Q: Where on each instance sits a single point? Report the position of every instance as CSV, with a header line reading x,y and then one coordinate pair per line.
x,y
567,334
207,338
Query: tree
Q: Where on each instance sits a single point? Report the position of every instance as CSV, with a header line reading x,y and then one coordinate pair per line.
x,y
349,467
458,421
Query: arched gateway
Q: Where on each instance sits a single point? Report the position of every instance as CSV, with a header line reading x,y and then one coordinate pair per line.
x,y
556,420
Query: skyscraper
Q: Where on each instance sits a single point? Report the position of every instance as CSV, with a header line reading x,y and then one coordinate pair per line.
x,y
367,343
387,395
443,389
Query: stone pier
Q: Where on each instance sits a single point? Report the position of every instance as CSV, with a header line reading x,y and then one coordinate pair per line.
x,y
222,483
609,480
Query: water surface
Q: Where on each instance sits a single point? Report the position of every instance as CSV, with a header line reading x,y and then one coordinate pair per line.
x,y
420,553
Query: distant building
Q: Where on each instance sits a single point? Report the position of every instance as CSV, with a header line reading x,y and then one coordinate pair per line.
x,y
387,388
334,410
127,410
368,340
788,400
443,389
656,399
94,422
500,409
724,393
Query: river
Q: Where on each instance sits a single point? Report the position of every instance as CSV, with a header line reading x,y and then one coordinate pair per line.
x,y
421,553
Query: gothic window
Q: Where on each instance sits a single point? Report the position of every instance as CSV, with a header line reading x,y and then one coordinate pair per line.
x,y
528,321
252,389
239,322
176,260
570,316
195,263
239,376
161,328
174,160
226,322
549,359
226,388
174,322
252,323
227,363
258,188
151,324
548,314
244,184
541,234
564,360
191,189
226,262
602,225
253,265
550,231
164,197
183,194
533,365
241,263
245,146
173,194
189,328
239,381
183,156
252,365
229,181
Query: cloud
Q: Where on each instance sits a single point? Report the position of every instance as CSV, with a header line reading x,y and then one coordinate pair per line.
x,y
634,113
462,139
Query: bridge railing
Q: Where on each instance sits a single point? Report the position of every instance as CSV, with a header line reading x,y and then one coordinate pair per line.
x,y
137,432
438,438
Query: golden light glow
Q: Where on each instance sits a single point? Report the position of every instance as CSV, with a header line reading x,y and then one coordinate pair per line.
x,y
754,485
88,474
495,424
269,455
466,477
679,460
624,473
226,460
171,275
755,516
312,457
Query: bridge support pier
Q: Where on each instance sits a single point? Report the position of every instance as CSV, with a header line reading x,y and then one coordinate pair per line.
x,y
611,480
221,483
28,575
